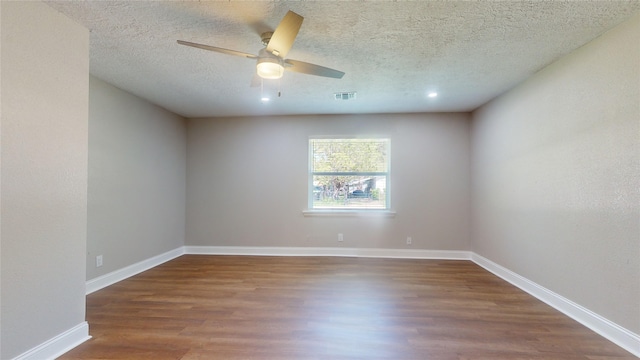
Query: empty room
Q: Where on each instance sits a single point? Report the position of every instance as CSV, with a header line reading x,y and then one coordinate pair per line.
x,y
320,180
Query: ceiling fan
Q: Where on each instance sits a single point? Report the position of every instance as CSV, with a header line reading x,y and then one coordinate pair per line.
x,y
271,61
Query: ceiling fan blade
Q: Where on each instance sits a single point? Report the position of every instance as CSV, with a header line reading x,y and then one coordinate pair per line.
x,y
312,69
285,34
217,49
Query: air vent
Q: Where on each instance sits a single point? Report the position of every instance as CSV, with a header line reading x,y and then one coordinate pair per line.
x,y
345,95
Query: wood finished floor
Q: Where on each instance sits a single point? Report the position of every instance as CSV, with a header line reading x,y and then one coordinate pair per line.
x,y
242,307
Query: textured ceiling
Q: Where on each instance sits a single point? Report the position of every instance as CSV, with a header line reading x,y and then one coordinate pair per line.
x,y
393,53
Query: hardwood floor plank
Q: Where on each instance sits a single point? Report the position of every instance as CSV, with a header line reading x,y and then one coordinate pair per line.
x,y
243,307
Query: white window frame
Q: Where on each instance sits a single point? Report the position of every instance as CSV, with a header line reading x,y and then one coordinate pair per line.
x,y
355,211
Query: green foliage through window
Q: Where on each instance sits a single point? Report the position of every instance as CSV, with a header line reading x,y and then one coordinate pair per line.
x,y
349,173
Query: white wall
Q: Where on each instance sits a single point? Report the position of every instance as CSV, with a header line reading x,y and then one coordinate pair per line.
x,y
137,172
247,182
556,173
45,79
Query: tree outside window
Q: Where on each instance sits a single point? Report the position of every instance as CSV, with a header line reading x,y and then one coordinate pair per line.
x,y
349,173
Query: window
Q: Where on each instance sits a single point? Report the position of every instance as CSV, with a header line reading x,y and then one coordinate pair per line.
x,y
347,174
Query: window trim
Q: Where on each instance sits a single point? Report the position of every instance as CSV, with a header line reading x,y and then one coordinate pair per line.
x,y
348,212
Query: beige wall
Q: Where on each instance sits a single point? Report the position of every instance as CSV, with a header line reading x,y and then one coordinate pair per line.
x,y
247,182
556,174
45,79
137,171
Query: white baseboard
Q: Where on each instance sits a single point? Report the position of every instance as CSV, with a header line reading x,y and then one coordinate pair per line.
x,y
59,344
126,272
606,328
324,251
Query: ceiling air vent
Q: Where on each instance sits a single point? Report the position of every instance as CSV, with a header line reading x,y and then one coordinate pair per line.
x,y
345,95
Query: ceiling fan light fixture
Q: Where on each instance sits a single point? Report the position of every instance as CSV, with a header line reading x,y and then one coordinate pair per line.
x,y
269,68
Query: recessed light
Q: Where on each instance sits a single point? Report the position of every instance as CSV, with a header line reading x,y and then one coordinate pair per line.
x,y
264,99
432,94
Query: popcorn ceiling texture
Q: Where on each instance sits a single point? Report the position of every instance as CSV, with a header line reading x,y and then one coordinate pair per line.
x,y
393,53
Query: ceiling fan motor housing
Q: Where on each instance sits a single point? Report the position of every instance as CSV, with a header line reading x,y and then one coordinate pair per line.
x,y
266,37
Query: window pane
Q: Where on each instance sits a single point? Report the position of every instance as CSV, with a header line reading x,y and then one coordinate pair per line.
x,y
349,192
349,155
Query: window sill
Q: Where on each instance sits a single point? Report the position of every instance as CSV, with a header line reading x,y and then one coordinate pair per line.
x,y
348,213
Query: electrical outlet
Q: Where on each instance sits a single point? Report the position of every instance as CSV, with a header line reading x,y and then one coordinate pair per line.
x,y
409,240
98,260
340,237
